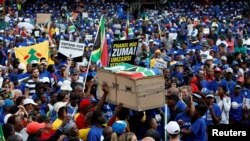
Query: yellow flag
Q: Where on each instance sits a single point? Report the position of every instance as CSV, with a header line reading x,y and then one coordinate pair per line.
x,y
34,52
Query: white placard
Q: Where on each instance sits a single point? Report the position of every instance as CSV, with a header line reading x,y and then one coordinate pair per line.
x,y
161,64
173,36
71,49
89,37
206,31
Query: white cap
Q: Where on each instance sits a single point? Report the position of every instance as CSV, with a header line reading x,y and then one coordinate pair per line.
x,y
66,85
45,80
84,64
21,66
90,44
6,117
229,70
173,127
33,62
29,101
151,40
59,105
209,57
223,58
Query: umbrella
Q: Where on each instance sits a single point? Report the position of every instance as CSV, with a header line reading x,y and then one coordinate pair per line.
x,y
26,25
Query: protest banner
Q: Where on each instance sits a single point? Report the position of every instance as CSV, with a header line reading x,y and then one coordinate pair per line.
x,y
33,52
42,18
71,50
161,64
123,51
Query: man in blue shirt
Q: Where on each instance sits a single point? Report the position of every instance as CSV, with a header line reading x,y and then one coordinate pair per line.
x,y
236,111
213,114
95,133
198,129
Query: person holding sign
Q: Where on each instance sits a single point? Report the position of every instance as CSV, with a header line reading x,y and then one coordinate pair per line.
x,y
155,58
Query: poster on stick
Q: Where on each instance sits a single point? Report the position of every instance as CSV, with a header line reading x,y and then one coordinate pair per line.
x,y
123,51
71,50
42,18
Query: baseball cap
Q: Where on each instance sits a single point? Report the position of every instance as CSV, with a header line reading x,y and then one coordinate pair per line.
x,y
8,103
229,70
29,101
209,57
210,96
33,62
6,117
173,127
33,127
238,86
59,105
45,80
85,103
157,51
223,58
74,71
21,66
217,69
197,95
119,126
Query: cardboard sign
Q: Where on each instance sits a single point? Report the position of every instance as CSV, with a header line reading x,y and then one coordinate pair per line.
x,y
161,64
71,49
123,51
42,18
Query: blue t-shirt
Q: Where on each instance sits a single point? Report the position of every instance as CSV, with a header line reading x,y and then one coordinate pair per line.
x,y
186,124
231,85
213,85
199,128
95,133
208,115
181,105
235,113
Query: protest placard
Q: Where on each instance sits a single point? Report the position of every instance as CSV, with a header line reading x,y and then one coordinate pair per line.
x,y
123,51
161,64
71,49
206,30
89,37
42,18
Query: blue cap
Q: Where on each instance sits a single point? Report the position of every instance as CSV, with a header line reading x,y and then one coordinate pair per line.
x,y
119,126
205,91
8,103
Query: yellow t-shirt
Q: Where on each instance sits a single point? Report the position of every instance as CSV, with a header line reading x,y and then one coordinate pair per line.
x,y
83,134
56,124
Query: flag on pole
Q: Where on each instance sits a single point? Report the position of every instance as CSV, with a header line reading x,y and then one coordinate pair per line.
x,y
100,53
127,27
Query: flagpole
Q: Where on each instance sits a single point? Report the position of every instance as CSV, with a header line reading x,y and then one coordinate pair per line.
x,y
85,79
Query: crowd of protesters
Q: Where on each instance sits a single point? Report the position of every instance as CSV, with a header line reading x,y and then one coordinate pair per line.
x,y
207,80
